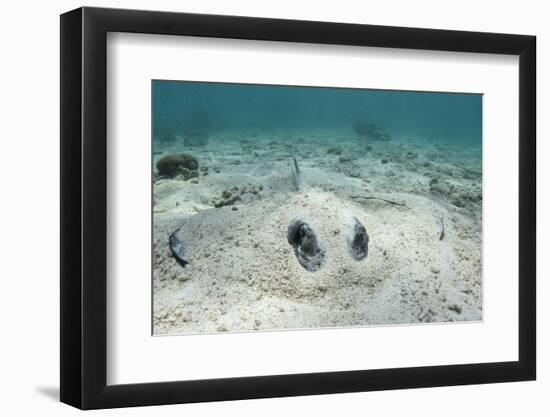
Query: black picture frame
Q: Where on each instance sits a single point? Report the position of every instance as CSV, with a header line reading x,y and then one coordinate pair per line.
x,y
84,207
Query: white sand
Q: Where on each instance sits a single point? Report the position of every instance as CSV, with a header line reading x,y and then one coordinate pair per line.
x,y
243,274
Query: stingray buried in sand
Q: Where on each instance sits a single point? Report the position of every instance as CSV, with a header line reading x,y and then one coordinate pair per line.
x,y
234,259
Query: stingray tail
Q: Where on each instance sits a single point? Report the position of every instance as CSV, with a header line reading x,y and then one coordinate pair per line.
x,y
296,173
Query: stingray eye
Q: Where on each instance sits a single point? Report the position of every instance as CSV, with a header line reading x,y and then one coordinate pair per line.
x,y
307,248
358,241
295,232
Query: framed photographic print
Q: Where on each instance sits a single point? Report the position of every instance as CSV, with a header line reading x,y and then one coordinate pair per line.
x,y
259,207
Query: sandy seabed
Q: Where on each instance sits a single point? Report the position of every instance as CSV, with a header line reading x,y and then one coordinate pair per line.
x,y
243,275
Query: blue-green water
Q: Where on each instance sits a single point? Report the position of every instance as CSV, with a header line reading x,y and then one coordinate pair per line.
x,y
212,108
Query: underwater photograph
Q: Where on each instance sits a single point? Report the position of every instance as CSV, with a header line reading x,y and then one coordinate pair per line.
x,y
282,207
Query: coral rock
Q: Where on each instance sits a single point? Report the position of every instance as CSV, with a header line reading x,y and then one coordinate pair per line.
x,y
371,131
179,164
